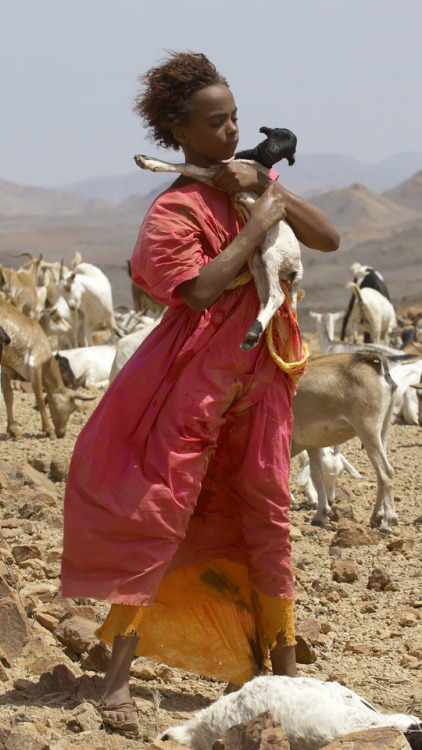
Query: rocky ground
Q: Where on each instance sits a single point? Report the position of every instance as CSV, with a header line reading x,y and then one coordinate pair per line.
x,y
358,600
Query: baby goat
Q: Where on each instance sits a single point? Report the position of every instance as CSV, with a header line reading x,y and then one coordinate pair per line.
x,y
312,713
279,256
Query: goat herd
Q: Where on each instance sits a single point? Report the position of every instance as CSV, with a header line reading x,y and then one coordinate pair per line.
x,y
54,321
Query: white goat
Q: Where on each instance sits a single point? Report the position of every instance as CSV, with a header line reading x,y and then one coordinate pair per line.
x,y
325,323
341,396
312,713
333,464
374,313
90,365
88,294
278,259
406,402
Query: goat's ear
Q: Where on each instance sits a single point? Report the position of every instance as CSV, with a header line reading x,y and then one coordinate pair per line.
x,y
265,130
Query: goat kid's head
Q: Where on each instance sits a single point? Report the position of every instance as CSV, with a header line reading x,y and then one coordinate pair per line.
x,y
280,143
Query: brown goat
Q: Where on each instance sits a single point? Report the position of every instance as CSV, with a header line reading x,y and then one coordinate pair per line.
x,y
30,357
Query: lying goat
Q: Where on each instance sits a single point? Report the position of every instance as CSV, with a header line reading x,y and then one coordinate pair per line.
x,y
312,713
279,256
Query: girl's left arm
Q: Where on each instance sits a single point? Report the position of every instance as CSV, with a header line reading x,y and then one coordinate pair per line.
x,y
310,225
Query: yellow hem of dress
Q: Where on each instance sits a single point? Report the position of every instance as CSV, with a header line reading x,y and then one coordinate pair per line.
x,y
223,631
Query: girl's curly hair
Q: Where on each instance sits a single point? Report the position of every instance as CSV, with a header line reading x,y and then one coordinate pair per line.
x,y
165,100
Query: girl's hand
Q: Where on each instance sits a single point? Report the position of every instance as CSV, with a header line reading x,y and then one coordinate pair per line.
x,y
235,177
267,210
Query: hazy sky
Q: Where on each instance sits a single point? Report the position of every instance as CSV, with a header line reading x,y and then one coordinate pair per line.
x,y
344,75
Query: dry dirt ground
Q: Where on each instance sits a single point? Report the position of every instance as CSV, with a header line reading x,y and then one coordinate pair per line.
x,y
369,640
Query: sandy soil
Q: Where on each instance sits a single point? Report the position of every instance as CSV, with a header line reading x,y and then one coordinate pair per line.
x,y
369,640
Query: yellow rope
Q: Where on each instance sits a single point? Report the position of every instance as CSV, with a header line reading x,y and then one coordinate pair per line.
x,y
291,368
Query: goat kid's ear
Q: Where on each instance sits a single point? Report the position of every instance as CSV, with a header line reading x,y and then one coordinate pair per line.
x,y
265,130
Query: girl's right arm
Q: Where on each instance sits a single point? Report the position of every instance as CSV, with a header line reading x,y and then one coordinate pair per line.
x,y
215,276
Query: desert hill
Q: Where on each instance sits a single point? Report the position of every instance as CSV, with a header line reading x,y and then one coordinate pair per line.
x,y
21,200
408,193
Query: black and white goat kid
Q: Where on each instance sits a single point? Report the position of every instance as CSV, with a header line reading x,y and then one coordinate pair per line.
x,y
279,255
311,712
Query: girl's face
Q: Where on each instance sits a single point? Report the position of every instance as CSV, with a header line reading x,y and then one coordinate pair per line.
x,y
211,134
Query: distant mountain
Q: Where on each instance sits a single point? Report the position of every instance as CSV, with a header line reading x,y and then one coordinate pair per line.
x,y
22,200
117,188
408,194
359,208
312,174
361,214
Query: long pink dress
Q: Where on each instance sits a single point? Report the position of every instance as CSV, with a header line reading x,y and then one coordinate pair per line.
x,y
184,465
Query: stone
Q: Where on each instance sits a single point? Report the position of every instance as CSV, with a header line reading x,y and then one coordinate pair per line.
x,y
379,738
295,534
85,718
378,579
77,633
59,468
14,624
24,552
345,571
309,628
249,734
353,535
305,653
25,737
97,657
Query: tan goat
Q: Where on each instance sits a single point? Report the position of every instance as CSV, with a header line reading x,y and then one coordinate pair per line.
x,y
342,396
19,289
29,356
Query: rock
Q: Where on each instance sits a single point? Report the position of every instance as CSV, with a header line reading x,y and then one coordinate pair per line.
x,y
23,552
408,619
170,745
305,653
353,535
250,734
85,718
45,498
380,738
142,671
345,571
378,579
25,737
59,468
77,633
97,657
295,534
335,551
343,510
309,629
14,625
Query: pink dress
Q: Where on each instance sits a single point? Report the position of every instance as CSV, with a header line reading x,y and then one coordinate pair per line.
x,y
186,459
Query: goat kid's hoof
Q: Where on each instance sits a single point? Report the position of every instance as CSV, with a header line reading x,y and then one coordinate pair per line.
x,y
252,336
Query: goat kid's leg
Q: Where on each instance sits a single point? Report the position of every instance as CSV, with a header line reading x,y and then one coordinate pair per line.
x,y
270,294
317,475
189,170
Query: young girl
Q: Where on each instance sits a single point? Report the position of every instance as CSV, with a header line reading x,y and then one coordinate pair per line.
x,y
178,491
